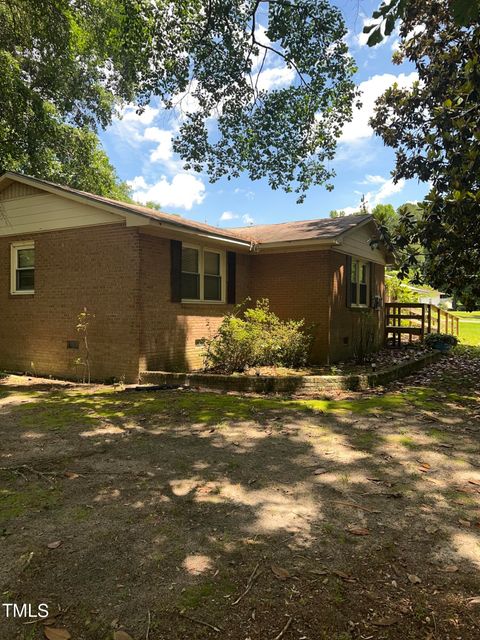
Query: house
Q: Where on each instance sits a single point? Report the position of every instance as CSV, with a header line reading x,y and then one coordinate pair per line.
x,y
426,295
157,284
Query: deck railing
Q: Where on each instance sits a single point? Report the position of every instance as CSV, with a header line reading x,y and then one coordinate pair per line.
x,y
416,319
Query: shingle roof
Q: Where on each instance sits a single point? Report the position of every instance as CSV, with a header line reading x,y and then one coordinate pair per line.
x,y
135,208
317,229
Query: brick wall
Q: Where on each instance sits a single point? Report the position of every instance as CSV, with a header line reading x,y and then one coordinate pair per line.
x,y
347,322
298,286
96,267
170,330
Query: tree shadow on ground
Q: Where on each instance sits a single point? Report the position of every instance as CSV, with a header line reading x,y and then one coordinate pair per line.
x,y
360,513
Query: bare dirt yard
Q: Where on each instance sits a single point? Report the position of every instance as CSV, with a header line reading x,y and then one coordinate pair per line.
x,y
186,515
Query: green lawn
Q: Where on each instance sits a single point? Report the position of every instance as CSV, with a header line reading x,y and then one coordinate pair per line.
x,y
469,327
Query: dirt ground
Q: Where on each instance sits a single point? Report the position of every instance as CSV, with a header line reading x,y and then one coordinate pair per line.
x,y
186,515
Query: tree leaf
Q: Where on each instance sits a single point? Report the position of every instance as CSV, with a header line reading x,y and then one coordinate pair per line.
x,y
53,633
280,572
121,635
385,622
55,544
357,531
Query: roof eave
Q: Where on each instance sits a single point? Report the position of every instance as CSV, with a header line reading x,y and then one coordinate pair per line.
x,y
120,209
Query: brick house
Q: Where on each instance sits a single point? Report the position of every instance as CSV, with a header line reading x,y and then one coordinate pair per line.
x,y
158,284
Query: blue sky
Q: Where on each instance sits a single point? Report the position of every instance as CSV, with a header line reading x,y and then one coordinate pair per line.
x,y
140,149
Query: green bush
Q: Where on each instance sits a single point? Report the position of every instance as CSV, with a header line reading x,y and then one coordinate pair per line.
x,y
431,339
255,338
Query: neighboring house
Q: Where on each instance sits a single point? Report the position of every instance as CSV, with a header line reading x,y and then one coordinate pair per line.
x,y
159,284
426,295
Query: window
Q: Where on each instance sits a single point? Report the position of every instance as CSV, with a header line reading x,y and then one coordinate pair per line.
x,y
359,283
22,268
202,274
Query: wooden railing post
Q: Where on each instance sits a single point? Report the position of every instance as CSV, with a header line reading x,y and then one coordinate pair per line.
x,y
423,322
439,320
457,323
429,325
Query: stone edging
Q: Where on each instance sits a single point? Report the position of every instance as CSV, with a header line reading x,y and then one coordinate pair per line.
x,y
287,384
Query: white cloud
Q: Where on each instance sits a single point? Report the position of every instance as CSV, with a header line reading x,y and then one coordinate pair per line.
x,y
182,192
129,114
369,179
228,215
164,151
387,187
247,219
274,78
372,89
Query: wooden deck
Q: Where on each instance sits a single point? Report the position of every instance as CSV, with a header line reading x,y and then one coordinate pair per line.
x,y
416,320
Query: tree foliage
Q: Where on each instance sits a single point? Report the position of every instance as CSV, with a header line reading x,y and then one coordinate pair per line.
x,y
433,126
74,62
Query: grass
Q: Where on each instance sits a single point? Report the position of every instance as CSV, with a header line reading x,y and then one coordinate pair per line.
x,y
469,329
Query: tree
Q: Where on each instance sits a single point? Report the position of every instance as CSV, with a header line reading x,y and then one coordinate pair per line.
x,y
385,18
433,126
77,61
337,213
386,217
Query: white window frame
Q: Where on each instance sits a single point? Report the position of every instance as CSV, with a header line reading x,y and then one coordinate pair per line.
x,y
14,249
359,262
201,271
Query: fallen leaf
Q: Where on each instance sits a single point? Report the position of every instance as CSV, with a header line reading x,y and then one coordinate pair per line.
x,y
320,471
475,482
54,545
56,634
121,635
280,572
319,572
344,576
71,475
385,622
465,523
450,568
472,601
413,578
431,529
357,531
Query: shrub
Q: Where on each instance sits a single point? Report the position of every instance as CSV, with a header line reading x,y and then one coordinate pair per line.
x,y
432,339
256,337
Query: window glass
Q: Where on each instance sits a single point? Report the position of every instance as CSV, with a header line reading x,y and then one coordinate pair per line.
x,y
190,260
190,286
211,263
25,258
212,288
25,280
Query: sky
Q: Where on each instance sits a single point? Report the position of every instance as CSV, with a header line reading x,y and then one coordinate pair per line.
x,y
140,149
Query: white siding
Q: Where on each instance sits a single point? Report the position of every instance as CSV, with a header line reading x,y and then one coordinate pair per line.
x,y
47,212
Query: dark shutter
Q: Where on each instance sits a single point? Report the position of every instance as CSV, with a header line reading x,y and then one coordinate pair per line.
x,y
231,276
373,293
348,281
175,270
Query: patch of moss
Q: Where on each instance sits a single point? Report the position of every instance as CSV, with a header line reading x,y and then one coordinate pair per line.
x,y
16,503
195,595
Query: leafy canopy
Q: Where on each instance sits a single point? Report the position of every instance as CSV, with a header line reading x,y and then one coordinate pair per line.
x,y
75,62
433,127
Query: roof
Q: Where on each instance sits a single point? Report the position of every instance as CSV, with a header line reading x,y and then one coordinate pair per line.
x,y
316,229
303,230
127,207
